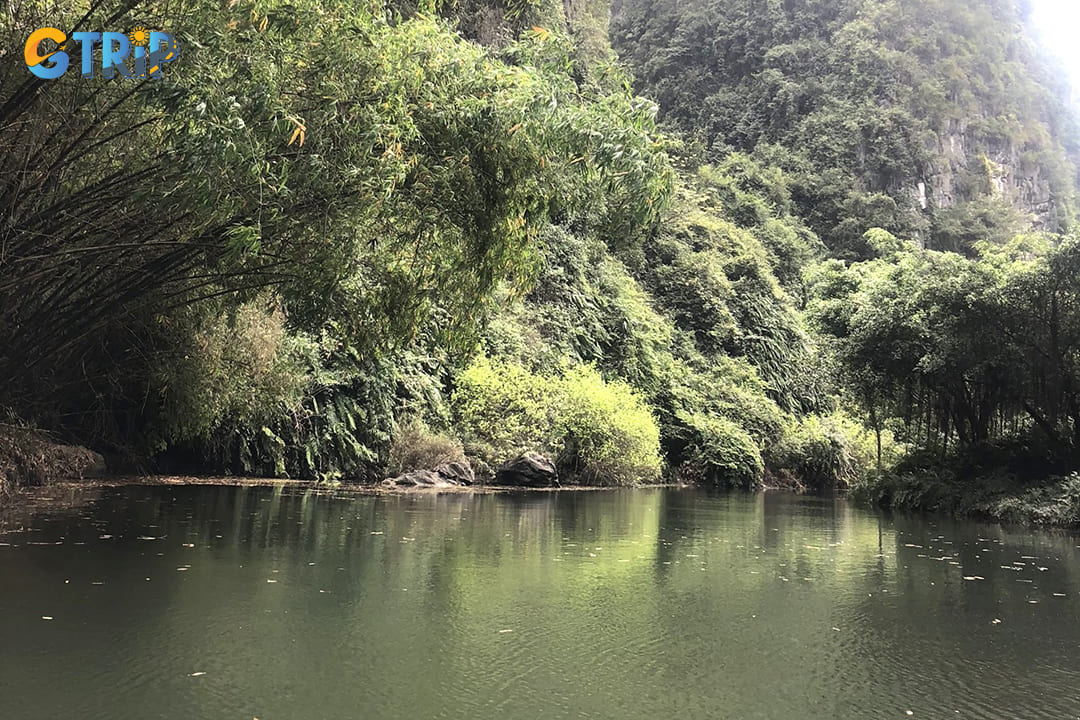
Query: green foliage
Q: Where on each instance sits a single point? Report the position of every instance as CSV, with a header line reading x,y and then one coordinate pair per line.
x,y
861,102
1056,504
729,388
1053,501
286,264
240,394
694,337
955,351
240,367
610,435
371,178
826,452
586,308
985,219
502,409
335,424
715,280
757,197
598,432
721,453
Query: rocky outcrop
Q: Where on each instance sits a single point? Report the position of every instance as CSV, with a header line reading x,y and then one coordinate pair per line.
x,y
452,474
963,149
528,470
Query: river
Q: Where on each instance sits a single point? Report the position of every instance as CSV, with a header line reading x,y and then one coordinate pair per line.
x,y
281,603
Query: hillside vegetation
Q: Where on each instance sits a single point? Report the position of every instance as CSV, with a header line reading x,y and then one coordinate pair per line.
x,y
339,240
941,121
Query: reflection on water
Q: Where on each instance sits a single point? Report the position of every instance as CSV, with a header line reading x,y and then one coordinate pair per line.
x,y
225,602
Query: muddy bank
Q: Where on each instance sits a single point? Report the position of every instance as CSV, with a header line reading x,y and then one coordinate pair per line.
x,y
30,458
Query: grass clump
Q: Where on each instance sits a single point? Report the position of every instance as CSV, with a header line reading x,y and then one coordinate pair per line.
x,y
1000,496
29,457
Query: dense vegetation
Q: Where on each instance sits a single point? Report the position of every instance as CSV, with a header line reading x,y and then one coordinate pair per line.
x,y
264,258
909,116
339,241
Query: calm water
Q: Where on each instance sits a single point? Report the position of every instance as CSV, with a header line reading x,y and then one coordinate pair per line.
x,y
215,603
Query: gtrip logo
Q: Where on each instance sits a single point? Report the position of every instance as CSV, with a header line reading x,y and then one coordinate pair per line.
x,y
136,55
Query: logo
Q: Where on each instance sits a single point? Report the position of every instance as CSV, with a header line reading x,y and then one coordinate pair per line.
x,y
135,55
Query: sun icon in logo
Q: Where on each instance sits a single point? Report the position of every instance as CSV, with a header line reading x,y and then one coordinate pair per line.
x,y
139,36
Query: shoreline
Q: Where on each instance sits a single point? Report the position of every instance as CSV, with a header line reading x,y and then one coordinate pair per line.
x,y
1051,502
71,484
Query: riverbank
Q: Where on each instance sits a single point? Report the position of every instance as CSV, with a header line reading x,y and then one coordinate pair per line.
x,y
1053,503
30,460
58,490
1050,502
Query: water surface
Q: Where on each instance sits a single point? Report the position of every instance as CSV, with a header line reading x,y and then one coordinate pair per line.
x,y
282,603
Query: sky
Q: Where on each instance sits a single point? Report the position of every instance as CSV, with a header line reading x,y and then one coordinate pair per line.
x,y
1058,22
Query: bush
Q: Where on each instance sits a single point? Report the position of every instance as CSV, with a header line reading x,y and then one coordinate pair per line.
x,y
722,453
823,452
1056,503
598,432
609,435
31,457
585,308
1000,496
418,447
502,409
227,368
245,394
728,387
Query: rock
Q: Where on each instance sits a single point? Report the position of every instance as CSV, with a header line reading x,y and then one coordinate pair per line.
x,y
416,478
528,470
456,473
453,474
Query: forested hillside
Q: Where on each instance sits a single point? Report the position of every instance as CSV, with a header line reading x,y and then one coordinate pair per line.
x,y
941,120
340,242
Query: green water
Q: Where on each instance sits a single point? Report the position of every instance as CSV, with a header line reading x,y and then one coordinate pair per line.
x,y
214,603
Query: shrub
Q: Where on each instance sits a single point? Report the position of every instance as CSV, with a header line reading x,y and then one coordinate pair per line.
x,y
598,432
30,457
609,435
238,367
1055,502
244,394
585,308
997,495
418,447
502,409
721,453
727,387
824,452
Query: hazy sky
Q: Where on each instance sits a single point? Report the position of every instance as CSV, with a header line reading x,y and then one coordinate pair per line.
x,y
1059,24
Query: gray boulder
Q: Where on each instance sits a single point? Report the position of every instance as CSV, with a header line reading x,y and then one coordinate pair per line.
x,y
528,470
416,478
454,474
